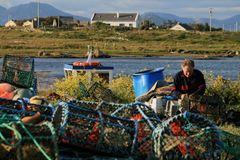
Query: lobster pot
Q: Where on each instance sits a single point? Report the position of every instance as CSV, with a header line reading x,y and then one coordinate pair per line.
x,y
18,71
147,122
28,141
93,131
11,106
21,108
231,145
126,111
75,104
45,110
45,136
211,106
135,111
104,107
100,93
187,136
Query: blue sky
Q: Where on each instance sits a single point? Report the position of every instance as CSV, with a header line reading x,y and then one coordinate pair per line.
x,y
185,8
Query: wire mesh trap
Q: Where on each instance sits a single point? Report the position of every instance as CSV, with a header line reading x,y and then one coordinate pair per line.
x,y
187,136
144,117
22,108
100,93
18,71
19,141
91,130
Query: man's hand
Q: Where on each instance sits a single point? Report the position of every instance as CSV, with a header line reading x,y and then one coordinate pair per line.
x,y
183,96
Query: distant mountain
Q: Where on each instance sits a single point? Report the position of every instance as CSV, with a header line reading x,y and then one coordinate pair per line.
x,y
29,10
160,18
2,10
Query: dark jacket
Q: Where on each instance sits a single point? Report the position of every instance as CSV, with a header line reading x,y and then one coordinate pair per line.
x,y
193,85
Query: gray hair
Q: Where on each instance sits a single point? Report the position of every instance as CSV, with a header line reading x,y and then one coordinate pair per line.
x,y
188,62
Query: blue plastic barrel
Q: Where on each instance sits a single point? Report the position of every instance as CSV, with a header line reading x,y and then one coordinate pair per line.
x,y
143,81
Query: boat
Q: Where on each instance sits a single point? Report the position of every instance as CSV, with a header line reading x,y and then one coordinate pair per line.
x,y
89,66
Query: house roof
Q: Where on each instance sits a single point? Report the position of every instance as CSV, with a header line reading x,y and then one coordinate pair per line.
x,y
187,27
114,17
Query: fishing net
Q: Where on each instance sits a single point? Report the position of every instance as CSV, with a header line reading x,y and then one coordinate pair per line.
x,y
100,93
22,108
93,131
18,71
19,141
187,136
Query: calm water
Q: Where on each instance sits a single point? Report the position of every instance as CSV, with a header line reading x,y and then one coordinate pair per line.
x,y
49,69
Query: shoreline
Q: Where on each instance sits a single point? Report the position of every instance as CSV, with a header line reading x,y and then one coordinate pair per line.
x,y
193,56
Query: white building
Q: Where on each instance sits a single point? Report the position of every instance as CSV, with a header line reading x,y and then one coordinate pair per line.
x,y
28,24
181,27
10,24
117,19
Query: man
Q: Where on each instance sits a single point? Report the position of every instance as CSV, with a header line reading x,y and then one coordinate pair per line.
x,y
36,118
189,81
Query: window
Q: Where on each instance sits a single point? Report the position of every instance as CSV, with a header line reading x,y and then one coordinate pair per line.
x,y
130,25
121,25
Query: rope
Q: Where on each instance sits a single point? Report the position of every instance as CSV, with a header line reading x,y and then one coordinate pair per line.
x,y
35,142
16,134
10,121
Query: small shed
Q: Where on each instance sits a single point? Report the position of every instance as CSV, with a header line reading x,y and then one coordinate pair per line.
x,y
181,27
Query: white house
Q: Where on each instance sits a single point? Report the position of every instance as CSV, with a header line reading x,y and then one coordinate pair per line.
x,y
10,24
181,27
117,19
28,24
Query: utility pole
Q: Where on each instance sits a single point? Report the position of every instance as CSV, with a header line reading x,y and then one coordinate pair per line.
x,y
38,13
9,17
223,27
210,19
58,21
236,26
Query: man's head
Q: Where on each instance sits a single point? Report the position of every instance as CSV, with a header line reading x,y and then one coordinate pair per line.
x,y
187,67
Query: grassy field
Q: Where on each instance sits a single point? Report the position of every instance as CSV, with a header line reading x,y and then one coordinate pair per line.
x,y
127,43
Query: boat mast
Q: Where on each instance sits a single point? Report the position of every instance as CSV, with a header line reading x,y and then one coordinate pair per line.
x,y
89,53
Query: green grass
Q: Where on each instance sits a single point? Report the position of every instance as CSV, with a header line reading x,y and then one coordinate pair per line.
x,y
129,43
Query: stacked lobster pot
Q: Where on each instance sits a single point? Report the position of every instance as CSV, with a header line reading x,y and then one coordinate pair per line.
x,y
23,108
94,131
124,132
24,141
146,120
187,136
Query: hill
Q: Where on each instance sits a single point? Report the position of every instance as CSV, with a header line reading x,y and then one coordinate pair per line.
x,y
159,18
29,10
2,11
125,43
